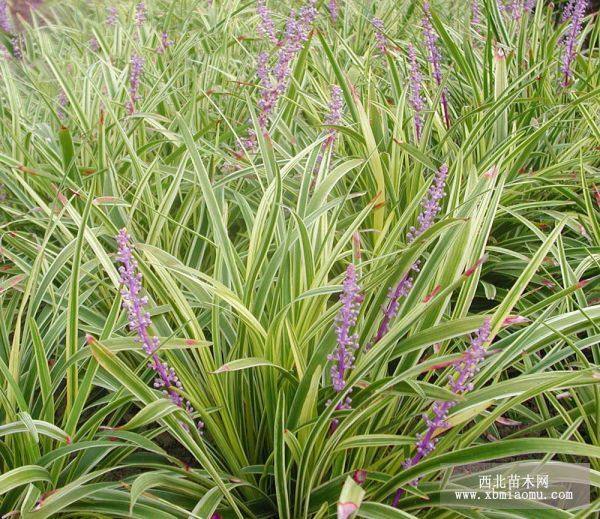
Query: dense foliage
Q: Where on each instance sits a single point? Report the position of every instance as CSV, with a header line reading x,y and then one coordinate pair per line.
x,y
244,251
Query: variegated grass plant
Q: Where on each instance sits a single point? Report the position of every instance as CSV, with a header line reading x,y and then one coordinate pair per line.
x,y
246,199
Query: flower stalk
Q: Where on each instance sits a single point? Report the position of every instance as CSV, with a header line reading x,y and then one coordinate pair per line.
x,y
139,322
461,382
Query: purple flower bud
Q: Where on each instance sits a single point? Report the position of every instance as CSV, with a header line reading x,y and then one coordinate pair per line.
x,y
574,13
140,14
94,44
17,47
164,44
333,10
516,8
379,34
4,53
5,22
334,116
112,16
139,322
435,58
528,6
475,12
266,27
360,476
62,102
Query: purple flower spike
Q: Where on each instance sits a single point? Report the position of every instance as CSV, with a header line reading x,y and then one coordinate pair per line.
x,y
575,12
347,342
416,99
112,16
567,11
528,6
17,47
334,117
469,365
430,209
475,13
262,70
139,322
435,58
431,204
135,73
266,27
515,9
391,310
5,23
94,44
465,370
62,102
165,43
274,80
333,10
140,14
379,34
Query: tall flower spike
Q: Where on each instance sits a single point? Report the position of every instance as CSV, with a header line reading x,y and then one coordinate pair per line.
x,y
135,73
465,370
266,28
430,209
575,12
347,342
333,10
274,81
139,322
416,83
435,58
380,37
334,117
